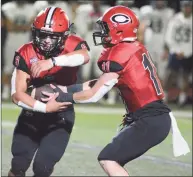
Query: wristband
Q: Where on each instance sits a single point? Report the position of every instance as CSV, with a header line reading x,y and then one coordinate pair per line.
x,y
39,107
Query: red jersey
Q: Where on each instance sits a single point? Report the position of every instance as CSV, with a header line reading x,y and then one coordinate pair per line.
x,y
138,82
27,55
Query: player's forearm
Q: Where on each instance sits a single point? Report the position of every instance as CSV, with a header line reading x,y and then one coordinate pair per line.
x,y
78,87
23,97
91,95
25,101
72,59
85,95
18,92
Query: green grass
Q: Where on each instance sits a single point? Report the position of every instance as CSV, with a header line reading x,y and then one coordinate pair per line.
x,y
96,130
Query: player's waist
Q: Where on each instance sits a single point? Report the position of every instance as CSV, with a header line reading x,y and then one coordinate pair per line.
x,y
39,115
154,108
186,51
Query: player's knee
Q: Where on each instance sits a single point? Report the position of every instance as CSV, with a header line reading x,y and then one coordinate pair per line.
x,y
103,162
106,164
106,160
42,167
19,166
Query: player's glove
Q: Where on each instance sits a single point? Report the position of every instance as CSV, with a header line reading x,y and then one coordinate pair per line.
x,y
63,97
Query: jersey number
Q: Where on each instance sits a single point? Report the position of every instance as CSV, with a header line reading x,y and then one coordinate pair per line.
x,y
148,65
157,25
182,34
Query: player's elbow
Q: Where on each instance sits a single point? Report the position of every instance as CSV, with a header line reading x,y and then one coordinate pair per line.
x,y
14,98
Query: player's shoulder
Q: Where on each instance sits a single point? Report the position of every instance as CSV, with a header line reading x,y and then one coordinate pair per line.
x,y
26,51
116,58
23,57
74,38
178,16
125,49
75,42
25,48
8,6
169,11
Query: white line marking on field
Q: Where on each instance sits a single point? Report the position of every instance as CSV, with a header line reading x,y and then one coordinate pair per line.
x,y
11,124
7,124
143,157
102,110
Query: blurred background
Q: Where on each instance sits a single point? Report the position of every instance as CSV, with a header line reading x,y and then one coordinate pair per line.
x,y
166,31
17,16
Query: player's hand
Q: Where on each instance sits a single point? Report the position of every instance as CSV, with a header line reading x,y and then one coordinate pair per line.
x,y
49,96
63,88
180,55
42,65
165,55
54,106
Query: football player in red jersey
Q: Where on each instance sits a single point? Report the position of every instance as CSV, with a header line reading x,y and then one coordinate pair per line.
x,y
127,65
44,127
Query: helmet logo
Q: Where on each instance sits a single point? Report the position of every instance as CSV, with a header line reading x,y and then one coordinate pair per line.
x,y
120,18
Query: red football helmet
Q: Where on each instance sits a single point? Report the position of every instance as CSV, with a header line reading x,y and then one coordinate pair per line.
x,y
50,29
119,23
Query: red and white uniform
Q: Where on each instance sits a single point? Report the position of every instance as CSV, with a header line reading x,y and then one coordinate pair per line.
x,y
138,83
27,55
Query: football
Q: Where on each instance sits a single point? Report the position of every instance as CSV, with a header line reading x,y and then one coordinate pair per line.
x,y
36,92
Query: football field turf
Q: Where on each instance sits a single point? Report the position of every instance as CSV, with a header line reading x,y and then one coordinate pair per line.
x,y
94,128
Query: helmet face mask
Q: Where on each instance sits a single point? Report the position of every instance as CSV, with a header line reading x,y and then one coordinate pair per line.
x,y
103,34
49,38
51,47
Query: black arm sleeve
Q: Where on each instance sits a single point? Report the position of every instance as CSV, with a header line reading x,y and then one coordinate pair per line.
x,y
74,88
63,97
79,87
19,63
